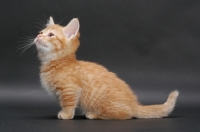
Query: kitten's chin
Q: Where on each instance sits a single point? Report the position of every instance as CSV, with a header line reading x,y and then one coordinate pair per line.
x,y
42,47
40,44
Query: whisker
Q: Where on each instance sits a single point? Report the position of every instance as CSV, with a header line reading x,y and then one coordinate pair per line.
x,y
27,42
61,21
38,27
41,23
26,47
35,50
45,17
24,42
29,36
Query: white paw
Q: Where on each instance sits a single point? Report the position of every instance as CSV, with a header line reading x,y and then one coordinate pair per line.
x,y
90,116
63,115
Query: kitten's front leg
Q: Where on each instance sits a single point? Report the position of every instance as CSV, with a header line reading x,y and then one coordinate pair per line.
x,y
68,98
66,114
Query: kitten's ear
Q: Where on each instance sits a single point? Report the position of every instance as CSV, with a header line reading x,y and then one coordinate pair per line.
x,y
71,30
50,22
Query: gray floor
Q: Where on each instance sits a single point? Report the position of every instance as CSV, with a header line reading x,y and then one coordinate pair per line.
x,y
38,119
29,108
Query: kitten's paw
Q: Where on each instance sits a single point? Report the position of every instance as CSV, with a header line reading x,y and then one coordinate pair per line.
x,y
91,116
63,115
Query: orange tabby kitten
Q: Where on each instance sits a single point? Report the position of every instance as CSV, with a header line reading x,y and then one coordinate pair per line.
x,y
99,93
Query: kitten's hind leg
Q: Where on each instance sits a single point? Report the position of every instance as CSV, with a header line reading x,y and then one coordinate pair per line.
x,y
90,115
101,117
119,115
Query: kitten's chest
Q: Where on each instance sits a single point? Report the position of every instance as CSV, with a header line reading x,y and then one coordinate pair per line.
x,y
47,81
56,76
48,78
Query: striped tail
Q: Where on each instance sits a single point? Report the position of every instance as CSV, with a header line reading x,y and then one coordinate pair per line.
x,y
157,111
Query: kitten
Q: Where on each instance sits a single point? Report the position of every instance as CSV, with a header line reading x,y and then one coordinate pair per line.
x,y
99,93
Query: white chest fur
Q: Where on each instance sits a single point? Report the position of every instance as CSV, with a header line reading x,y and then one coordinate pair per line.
x,y
45,79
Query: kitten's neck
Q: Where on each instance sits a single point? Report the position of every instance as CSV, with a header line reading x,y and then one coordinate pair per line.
x,y
53,56
48,59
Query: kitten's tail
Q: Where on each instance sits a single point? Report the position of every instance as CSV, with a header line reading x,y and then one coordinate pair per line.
x,y
157,111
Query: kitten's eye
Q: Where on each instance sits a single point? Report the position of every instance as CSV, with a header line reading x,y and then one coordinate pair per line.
x,y
51,34
41,32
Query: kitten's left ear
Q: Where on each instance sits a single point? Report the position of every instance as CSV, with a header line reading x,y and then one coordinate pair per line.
x,y
50,22
71,30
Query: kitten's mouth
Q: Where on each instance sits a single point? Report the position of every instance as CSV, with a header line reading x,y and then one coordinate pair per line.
x,y
43,45
38,42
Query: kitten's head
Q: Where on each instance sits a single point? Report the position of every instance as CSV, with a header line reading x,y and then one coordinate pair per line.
x,y
55,41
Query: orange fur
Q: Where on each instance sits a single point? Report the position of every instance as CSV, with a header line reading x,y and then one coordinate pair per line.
x,y
99,93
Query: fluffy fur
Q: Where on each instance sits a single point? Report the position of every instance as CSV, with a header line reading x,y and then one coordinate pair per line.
x,y
98,92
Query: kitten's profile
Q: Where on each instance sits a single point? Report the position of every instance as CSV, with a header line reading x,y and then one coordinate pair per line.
x,y
99,93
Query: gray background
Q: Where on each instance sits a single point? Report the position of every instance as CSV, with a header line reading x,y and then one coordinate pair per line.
x,y
151,44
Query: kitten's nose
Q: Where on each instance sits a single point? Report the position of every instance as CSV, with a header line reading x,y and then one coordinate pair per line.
x,y
39,36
